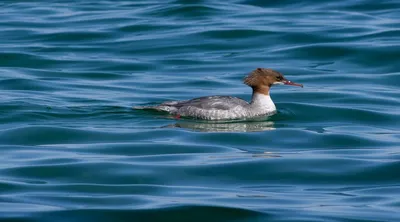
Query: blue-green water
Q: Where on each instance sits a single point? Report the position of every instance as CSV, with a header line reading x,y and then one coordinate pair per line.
x,y
72,149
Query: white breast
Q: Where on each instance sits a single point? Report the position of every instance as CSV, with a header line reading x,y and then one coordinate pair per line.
x,y
262,104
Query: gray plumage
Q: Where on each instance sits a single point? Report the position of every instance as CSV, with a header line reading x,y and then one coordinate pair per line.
x,y
216,107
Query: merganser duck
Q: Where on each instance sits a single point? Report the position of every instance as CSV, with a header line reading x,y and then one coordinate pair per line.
x,y
228,107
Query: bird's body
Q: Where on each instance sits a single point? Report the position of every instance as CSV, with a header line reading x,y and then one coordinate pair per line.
x,y
219,107
228,107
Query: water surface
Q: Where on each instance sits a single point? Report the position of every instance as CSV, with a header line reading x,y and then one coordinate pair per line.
x,y
72,149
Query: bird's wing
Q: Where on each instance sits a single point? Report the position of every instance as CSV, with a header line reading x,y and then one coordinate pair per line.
x,y
214,102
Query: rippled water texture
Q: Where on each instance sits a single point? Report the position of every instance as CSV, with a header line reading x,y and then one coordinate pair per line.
x,y
72,149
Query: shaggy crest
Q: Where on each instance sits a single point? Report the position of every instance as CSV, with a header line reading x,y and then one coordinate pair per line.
x,y
253,79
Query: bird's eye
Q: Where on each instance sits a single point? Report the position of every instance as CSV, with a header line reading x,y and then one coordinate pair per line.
x,y
279,78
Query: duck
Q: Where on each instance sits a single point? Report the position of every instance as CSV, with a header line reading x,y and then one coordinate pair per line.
x,y
228,107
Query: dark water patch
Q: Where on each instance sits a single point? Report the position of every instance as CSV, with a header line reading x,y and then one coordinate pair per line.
x,y
235,34
20,59
147,28
353,115
79,37
321,51
273,4
186,11
371,6
177,213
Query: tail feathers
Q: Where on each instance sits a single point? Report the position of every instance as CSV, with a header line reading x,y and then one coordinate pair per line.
x,y
169,109
145,107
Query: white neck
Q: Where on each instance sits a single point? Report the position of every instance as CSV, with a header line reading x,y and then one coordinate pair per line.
x,y
262,102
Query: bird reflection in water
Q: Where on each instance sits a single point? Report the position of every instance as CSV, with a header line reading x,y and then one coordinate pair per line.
x,y
216,126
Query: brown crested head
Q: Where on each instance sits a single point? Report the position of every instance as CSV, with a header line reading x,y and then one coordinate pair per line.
x,y
262,79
